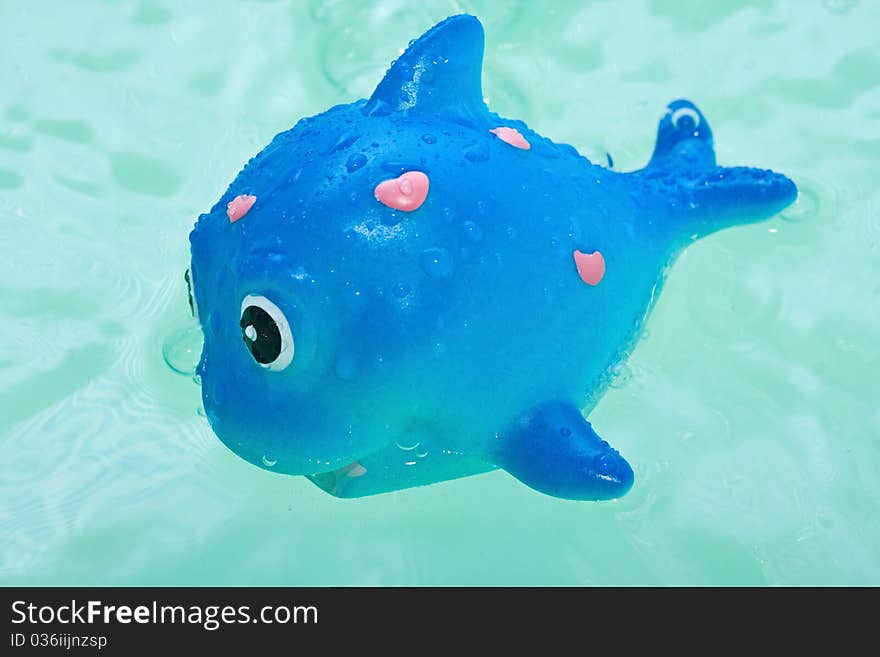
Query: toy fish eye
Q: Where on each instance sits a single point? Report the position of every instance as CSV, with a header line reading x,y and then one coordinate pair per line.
x,y
685,118
193,306
266,333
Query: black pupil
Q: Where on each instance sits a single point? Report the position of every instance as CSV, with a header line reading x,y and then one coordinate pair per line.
x,y
685,122
266,345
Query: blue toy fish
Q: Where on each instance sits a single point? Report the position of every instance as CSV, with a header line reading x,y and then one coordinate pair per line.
x,y
411,288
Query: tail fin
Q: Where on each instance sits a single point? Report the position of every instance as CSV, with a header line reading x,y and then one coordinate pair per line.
x,y
684,172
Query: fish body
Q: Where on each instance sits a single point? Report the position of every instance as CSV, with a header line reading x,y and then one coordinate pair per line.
x,y
411,288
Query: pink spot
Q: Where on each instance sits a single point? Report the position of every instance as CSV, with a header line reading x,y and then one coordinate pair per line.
x,y
512,137
406,192
590,266
239,206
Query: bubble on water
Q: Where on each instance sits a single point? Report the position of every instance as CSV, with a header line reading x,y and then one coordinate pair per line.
x,y
806,206
182,350
268,461
428,138
422,453
407,445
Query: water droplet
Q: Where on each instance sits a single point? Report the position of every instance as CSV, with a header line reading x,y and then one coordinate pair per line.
x,y
183,348
477,153
401,290
399,168
622,376
429,138
355,162
344,142
378,107
268,461
437,263
806,206
472,230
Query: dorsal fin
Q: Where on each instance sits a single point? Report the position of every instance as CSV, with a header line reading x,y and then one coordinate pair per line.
x,y
440,72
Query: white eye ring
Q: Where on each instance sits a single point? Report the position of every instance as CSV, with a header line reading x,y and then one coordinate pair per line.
x,y
266,333
685,111
191,291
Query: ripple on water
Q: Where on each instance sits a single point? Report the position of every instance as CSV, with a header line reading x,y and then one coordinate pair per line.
x,y
9,179
806,207
821,209
209,81
73,130
49,471
151,14
840,6
144,174
739,299
100,62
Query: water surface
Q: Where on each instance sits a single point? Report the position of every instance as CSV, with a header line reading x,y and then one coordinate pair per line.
x,y
749,411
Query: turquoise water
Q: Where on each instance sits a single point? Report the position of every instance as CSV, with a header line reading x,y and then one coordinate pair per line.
x,y
749,411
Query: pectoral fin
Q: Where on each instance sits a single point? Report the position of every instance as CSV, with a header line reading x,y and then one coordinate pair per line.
x,y
553,449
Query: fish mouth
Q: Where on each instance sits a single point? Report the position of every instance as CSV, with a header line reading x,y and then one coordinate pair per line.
x,y
612,477
336,481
